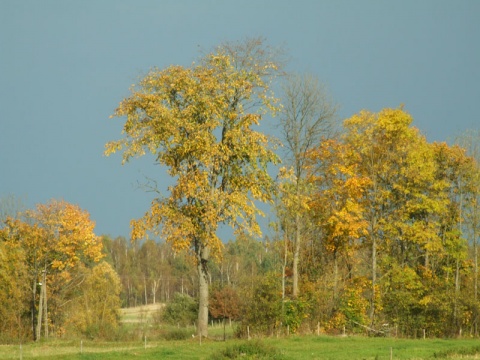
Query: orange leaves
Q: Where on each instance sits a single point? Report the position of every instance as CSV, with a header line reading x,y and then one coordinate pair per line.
x,y
62,233
338,190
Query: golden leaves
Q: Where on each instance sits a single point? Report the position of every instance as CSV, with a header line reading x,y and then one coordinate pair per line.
x,y
195,121
62,234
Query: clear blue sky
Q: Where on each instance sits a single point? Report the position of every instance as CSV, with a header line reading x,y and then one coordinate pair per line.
x,y
65,65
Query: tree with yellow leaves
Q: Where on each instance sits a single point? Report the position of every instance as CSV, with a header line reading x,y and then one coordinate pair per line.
x,y
55,237
199,121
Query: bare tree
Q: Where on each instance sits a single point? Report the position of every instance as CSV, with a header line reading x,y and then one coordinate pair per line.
x,y
308,116
10,206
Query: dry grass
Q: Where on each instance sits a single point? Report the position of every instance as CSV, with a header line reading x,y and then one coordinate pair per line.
x,y
140,314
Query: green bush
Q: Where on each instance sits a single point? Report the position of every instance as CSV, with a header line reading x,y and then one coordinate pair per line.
x,y
177,334
249,350
181,310
263,308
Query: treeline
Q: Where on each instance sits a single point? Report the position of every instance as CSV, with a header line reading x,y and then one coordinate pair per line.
x,y
378,235
386,227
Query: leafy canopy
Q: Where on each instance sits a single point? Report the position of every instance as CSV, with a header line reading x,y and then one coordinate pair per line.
x,y
199,122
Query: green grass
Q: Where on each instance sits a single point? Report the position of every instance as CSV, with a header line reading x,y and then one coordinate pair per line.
x,y
166,342
292,348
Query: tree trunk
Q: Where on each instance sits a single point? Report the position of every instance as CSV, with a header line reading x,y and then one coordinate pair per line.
x,y
296,255
34,295
145,289
45,309
335,275
40,313
374,280
202,256
475,293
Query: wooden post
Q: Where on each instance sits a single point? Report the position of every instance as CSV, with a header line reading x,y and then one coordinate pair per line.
x,y
248,332
318,328
145,342
391,353
81,346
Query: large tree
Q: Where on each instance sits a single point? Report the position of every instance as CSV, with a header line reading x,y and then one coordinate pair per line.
x,y
199,122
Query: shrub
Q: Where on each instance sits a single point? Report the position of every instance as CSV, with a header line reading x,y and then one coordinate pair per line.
x,y
181,310
177,334
263,308
249,350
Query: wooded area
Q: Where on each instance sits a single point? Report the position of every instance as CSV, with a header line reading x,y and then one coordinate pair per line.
x,y
374,229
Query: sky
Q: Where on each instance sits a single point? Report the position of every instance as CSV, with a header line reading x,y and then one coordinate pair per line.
x,y
65,65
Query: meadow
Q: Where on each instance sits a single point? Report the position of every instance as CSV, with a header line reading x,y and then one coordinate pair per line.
x,y
291,347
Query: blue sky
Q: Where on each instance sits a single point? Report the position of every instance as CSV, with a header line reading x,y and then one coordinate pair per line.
x,y
65,65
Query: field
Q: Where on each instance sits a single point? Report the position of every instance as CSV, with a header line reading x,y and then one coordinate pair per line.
x,y
283,348
291,348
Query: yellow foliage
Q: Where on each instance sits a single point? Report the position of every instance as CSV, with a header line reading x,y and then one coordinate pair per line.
x,y
194,120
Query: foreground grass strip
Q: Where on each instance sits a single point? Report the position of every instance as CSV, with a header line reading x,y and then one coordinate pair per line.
x,y
292,348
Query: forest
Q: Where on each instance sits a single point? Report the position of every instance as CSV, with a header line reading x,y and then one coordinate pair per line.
x,y
372,229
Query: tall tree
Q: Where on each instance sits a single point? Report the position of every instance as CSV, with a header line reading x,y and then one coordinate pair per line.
x,y
400,170
308,116
335,207
471,143
199,122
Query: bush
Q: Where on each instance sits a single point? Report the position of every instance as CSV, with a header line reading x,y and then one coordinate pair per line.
x,y
249,350
263,308
181,310
177,334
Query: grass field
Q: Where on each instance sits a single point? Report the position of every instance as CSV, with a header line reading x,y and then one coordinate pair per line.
x,y
283,348
291,348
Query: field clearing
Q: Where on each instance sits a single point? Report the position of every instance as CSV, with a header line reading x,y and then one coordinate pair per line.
x,y
290,348
140,313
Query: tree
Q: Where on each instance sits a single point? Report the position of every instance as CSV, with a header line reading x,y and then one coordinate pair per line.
x,y
471,142
95,311
401,196
307,117
14,292
199,122
55,238
337,213
225,304
10,207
